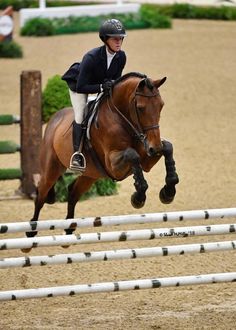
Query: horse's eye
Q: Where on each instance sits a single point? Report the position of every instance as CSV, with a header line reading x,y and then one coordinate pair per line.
x,y
140,109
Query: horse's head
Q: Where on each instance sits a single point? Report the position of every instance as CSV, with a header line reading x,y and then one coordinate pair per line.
x,y
142,109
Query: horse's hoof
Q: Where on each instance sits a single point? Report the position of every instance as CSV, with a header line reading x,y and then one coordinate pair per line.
x,y
65,246
31,233
26,250
164,198
136,203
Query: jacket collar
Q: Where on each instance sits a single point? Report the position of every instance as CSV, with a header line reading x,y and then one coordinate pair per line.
x,y
104,55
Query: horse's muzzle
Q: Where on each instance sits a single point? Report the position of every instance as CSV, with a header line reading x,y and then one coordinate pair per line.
x,y
154,151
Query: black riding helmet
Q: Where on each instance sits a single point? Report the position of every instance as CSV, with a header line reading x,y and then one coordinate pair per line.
x,y
111,28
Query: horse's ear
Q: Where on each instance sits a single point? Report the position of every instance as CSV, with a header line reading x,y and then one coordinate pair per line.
x,y
159,82
142,83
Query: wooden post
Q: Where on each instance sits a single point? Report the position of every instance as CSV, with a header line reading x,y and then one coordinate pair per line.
x,y
31,129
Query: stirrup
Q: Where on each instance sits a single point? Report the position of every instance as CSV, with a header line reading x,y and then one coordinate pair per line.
x,y
78,162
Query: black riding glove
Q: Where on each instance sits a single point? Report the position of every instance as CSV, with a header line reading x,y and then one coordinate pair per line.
x,y
107,85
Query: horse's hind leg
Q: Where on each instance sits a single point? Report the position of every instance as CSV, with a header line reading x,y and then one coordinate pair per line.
x,y
45,191
75,191
168,192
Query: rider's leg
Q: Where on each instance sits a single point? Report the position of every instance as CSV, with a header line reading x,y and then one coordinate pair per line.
x,y
78,102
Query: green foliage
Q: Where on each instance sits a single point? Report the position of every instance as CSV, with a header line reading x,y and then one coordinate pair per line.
x,y
102,187
151,15
19,4
187,11
55,97
8,147
8,119
10,49
38,27
10,173
73,24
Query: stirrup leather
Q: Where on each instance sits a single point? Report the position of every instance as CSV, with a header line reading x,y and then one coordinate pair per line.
x,y
78,162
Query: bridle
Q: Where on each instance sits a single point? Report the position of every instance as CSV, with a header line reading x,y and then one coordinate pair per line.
x,y
139,132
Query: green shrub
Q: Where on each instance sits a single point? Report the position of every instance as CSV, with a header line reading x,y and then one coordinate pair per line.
x,y
151,15
55,97
187,11
102,187
73,24
10,49
19,4
38,27
10,173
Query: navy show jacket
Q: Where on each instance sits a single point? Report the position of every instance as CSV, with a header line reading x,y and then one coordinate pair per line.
x,y
92,71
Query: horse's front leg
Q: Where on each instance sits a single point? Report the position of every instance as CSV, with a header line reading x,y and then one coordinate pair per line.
x,y
139,196
168,192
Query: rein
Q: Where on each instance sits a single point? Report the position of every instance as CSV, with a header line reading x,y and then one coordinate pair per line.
x,y
139,133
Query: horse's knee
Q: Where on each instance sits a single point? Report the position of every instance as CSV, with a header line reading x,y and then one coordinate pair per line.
x,y
167,148
130,155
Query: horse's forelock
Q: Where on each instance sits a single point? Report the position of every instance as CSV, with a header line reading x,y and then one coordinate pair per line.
x,y
149,83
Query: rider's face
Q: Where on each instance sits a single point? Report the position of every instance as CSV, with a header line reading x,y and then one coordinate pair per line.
x,y
115,43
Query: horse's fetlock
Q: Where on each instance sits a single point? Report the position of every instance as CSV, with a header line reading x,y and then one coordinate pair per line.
x,y
172,180
141,186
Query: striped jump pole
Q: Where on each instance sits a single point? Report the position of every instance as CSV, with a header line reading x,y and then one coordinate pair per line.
x,y
118,286
116,236
117,220
117,254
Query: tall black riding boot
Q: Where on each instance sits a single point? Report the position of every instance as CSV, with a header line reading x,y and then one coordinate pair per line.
x,y
77,162
77,134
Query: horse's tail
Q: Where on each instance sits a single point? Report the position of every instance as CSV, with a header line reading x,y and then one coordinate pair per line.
x,y
51,196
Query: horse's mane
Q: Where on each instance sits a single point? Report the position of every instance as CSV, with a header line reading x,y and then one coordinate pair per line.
x,y
128,75
138,75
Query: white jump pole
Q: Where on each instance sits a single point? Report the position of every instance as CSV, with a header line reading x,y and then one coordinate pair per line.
x,y
117,254
117,220
116,236
118,286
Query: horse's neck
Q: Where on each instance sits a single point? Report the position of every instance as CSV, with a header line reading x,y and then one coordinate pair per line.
x,y
122,96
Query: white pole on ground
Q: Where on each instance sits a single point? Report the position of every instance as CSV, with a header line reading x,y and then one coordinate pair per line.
x,y
118,286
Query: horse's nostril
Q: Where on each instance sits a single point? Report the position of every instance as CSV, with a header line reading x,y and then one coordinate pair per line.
x,y
155,151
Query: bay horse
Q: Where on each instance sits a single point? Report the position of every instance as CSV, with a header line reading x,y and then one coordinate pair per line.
x,y
124,140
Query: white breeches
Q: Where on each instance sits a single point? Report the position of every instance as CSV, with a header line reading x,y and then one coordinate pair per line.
x,y
78,102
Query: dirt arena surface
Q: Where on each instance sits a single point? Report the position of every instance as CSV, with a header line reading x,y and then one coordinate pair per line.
x,y
199,117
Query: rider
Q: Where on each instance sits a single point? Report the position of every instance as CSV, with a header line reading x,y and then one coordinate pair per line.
x,y
99,67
